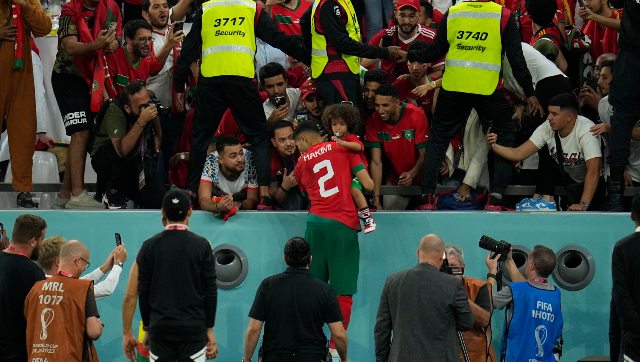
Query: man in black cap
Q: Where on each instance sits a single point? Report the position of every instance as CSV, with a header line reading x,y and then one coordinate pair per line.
x,y
175,278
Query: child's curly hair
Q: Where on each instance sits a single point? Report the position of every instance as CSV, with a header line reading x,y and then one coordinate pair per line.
x,y
344,111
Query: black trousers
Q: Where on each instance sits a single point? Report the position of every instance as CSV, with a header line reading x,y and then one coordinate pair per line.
x,y
343,89
214,96
291,357
452,111
122,174
165,351
625,98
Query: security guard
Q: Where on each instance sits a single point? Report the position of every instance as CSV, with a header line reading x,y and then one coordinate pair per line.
x,y
226,45
474,35
332,28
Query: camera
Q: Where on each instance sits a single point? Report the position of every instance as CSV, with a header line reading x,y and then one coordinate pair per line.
x,y
496,246
279,101
450,269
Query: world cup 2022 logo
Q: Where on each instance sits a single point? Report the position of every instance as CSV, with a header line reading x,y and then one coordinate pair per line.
x,y
46,317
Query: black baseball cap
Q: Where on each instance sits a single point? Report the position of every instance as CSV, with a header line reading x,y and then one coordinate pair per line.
x,y
176,204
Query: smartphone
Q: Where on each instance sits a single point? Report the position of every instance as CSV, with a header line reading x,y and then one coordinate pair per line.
x,y
387,41
581,2
177,26
279,101
118,239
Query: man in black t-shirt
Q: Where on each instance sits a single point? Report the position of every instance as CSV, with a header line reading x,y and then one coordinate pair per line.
x,y
18,273
295,306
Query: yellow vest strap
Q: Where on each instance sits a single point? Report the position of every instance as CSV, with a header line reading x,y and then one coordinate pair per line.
x,y
211,4
472,64
227,48
474,15
319,52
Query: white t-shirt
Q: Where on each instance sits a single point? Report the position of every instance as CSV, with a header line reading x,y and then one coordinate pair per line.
x,y
247,180
161,83
605,110
539,66
294,99
578,147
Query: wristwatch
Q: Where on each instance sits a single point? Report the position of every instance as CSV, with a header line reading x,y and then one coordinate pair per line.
x,y
118,263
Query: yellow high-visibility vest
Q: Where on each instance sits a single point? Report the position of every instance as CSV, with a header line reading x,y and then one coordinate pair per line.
x,y
474,59
319,58
228,38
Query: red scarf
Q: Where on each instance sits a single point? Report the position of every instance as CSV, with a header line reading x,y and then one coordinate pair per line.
x,y
16,19
94,67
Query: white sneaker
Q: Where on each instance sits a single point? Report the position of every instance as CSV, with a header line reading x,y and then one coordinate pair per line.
x,y
83,201
59,203
335,357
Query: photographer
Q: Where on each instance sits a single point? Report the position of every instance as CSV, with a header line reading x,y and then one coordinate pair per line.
x,y
400,333
125,150
533,315
477,340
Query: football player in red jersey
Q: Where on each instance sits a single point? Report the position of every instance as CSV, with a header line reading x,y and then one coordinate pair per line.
x,y
324,171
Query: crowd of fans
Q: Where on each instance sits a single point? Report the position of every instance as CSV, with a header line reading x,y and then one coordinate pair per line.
x,y
137,125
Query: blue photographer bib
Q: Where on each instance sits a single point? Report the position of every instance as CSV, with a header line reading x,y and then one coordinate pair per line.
x,y
535,326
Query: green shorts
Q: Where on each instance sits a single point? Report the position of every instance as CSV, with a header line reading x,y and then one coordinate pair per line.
x,y
335,254
355,184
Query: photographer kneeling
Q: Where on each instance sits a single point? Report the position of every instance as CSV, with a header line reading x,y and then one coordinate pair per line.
x,y
125,150
533,317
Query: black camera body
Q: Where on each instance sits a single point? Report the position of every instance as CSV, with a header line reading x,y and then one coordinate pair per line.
x,y
496,246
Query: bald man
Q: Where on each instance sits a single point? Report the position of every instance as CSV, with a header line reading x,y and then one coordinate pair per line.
x,y
423,309
61,311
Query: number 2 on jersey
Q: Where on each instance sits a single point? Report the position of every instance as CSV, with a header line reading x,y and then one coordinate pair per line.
x,y
328,176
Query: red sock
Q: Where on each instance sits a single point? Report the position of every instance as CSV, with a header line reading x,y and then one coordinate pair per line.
x,y
345,302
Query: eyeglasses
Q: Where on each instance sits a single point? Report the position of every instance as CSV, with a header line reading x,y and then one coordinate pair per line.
x,y
144,40
85,261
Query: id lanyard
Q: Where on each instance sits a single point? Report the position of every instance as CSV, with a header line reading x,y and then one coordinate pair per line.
x,y
180,227
539,280
19,252
65,274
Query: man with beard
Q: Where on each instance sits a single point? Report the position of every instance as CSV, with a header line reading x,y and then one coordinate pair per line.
x,y
132,61
373,79
418,88
405,32
283,160
158,14
312,101
228,181
121,151
89,31
17,275
399,132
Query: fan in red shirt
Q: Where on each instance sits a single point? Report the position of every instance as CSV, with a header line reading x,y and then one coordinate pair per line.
x,y
417,88
601,26
398,130
135,60
404,33
324,172
564,15
286,14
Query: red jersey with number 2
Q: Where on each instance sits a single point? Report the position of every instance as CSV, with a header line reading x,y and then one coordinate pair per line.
x,y
324,173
